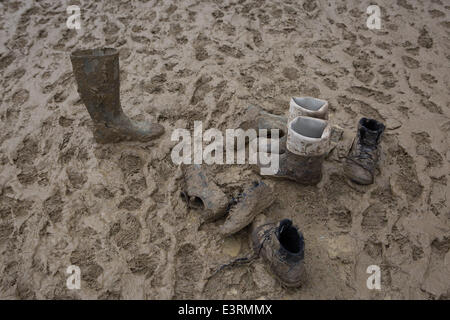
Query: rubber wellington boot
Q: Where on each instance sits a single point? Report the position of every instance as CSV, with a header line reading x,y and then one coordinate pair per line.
x,y
250,203
97,76
256,118
201,193
282,248
365,151
308,142
308,107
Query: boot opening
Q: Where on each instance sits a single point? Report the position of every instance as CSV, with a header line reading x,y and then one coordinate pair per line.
x,y
192,202
309,103
371,124
289,237
308,127
196,203
98,52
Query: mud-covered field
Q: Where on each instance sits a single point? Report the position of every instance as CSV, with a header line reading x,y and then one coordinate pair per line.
x,y
115,211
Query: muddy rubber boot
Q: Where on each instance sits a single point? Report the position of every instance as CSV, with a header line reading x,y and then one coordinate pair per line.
x,y
256,118
97,76
363,156
250,203
308,107
308,142
282,248
201,193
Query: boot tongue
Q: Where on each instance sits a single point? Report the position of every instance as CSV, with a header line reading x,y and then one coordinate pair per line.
x,y
369,137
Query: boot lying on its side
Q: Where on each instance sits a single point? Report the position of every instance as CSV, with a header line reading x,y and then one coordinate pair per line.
x,y
256,118
250,203
201,193
365,151
282,249
97,76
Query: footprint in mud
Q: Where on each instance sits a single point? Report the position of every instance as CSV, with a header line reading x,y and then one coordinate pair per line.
x,y
441,246
428,78
199,45
126,231
434,13
130,203
373,248
201,89
130,164
84,257
384,195
28,175
424,149
20,97
341,219
53,207
363,68
410,63
389,81
424,39
76,178
144,264
136,183
438,197
431,106
65,122
374,218
406,179
156,84
337,187
26,153
24,290
6,230
188,271
9,275
231,51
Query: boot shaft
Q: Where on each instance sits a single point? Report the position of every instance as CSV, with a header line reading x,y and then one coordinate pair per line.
x,y
308,107
308,136
369,131
97,76
291,246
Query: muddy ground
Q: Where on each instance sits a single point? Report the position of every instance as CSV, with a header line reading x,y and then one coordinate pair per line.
x,y
115,210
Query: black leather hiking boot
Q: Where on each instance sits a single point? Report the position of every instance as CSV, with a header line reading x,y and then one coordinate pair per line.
x,y
282,249
365,151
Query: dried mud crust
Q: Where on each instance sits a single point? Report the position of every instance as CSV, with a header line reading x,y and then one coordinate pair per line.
x,y
115,210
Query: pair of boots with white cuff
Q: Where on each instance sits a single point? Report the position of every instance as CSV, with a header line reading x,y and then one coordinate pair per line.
x,y
307,142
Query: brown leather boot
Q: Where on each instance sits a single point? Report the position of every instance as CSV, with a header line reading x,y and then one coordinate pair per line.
x,y
365,151
201,193
282,249
250,203
97,76
256,118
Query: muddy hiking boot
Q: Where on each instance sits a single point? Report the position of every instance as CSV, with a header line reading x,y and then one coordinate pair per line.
x,y
97,76
308,107
201,193
256,118
308,142
247,205
282,248
363,156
